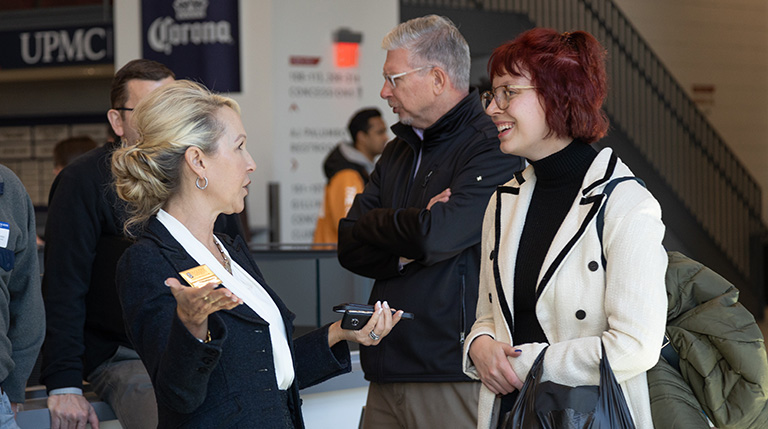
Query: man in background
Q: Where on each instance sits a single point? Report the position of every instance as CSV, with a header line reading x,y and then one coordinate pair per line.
x,y
22,315
348,167
416,228
85,336
66,151
70,149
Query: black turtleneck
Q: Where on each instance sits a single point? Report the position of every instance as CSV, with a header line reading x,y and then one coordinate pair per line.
x,y
558,180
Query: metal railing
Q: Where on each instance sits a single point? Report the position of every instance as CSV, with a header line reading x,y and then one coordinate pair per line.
x,y
649,106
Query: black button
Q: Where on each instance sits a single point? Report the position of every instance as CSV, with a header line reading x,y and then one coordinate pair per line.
x,y
207,360
490,298
202,370
593,266
581,314
493,255
212,352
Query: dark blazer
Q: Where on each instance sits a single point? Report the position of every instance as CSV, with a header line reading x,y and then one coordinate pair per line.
x,y
83,242
229,382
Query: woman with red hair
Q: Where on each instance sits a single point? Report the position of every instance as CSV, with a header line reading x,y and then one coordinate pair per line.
x,y
546,279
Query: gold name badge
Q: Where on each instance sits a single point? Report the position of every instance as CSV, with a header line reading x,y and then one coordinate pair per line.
x,y
200,276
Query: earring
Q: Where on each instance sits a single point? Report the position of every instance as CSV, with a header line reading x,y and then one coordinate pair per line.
x,y
197,183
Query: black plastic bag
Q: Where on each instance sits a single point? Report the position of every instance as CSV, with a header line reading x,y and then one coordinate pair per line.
x,y
548,405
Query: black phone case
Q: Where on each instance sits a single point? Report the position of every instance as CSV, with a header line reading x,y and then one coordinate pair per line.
x,y
354,320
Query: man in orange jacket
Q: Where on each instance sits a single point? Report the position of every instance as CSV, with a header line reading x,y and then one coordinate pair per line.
x,y
347,168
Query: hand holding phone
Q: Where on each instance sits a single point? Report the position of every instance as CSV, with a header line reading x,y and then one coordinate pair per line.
x,y
357,315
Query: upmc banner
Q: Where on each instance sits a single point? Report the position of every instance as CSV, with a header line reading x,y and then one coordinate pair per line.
x,y
197,39
57,47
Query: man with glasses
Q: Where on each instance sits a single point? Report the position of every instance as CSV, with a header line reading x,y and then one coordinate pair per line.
x,y
416,228
85,336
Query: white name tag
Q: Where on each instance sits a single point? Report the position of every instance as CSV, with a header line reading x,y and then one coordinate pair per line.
x,y
5,232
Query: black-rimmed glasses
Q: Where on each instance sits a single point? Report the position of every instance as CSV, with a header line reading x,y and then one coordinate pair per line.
x,y
125,109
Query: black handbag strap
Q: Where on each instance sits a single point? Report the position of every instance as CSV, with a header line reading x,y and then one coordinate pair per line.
x,y
600,219
667,351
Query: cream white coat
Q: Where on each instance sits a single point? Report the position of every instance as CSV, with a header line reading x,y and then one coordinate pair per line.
x,y
623,305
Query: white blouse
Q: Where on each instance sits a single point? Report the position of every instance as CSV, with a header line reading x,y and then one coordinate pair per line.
x,y
246,288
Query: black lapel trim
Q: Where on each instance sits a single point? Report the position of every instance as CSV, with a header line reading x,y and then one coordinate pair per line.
x,y
608,173
496,273
506,190
519,177
595,201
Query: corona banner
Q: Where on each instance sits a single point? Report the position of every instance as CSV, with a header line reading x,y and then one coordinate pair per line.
x,y
197,39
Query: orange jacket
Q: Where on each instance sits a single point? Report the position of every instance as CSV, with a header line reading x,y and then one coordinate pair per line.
x,y
339,194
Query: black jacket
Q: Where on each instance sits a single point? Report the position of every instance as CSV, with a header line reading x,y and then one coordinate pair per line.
x,y
84,239
229,382
389,220
83,242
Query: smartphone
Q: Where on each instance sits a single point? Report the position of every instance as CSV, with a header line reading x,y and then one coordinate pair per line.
x,y
357,315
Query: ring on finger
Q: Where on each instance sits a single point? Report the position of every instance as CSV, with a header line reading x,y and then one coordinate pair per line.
x,y
373,336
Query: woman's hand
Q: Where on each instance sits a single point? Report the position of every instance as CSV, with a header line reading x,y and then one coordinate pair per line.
x,y
194,305
491,358
381,322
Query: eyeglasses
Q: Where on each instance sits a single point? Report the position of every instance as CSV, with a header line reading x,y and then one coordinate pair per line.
x,y
391,77
126,109
502,95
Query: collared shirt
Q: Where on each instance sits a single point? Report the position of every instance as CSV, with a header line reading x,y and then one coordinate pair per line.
x,y
244,286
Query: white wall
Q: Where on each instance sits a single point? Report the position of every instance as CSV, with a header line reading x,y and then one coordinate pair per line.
x,y
313,102
719,43
271,30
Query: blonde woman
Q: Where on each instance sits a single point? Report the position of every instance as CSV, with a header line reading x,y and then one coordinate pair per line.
x,y
218,356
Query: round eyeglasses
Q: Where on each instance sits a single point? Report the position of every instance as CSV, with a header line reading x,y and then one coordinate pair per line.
x,y
502,95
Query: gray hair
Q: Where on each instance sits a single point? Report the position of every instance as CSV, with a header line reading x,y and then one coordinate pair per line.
x,y
433,40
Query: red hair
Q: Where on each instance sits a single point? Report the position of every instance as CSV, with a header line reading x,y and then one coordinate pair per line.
x,y
568,71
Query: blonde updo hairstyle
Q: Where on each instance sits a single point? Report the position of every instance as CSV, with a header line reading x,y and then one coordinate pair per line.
x,y
169,120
